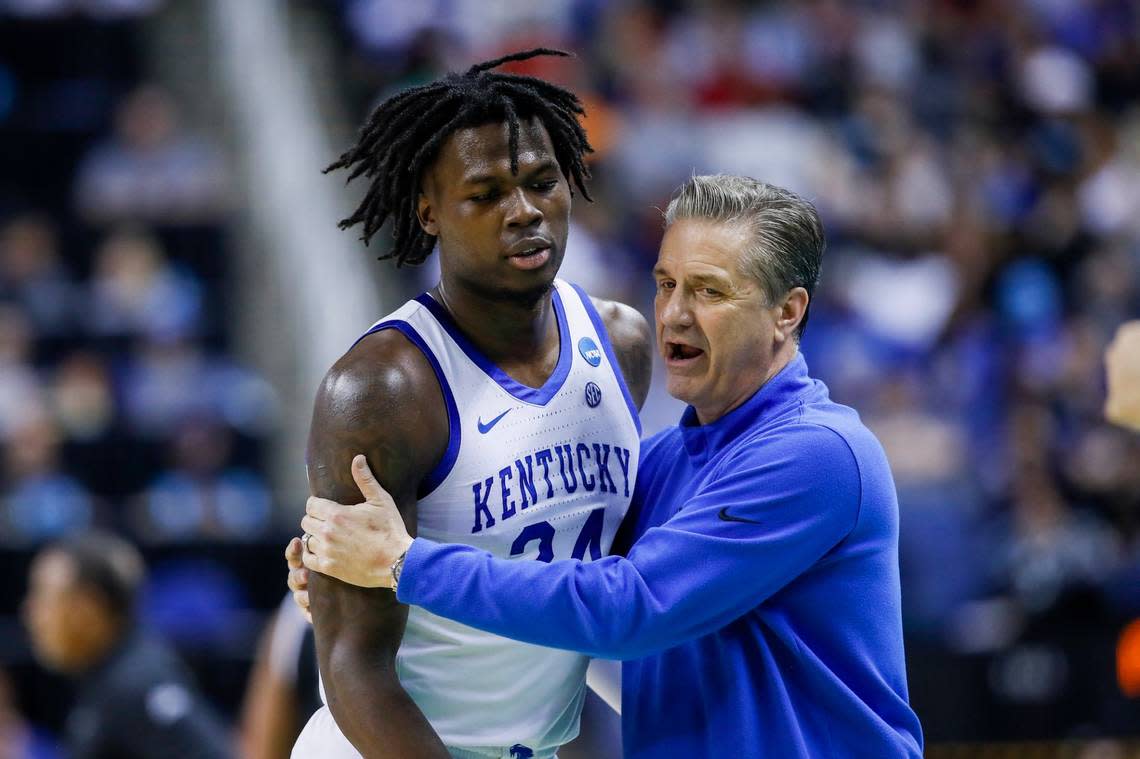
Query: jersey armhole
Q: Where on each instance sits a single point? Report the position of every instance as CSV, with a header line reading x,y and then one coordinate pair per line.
x,y
607,347
440,471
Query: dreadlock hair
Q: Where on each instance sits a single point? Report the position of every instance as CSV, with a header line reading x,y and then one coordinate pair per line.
x,y
403,135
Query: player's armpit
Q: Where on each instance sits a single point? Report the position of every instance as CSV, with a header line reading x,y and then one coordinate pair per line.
x,y
381,399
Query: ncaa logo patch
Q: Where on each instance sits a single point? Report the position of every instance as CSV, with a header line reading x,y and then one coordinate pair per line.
x,y
593,394
590,351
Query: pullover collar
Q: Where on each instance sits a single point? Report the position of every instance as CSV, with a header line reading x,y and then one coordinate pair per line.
x,y
789,385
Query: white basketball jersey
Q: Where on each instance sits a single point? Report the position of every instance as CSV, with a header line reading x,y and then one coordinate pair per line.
x,y
529,473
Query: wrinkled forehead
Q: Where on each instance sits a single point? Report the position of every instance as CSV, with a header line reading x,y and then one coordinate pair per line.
x,y
472,152
698,244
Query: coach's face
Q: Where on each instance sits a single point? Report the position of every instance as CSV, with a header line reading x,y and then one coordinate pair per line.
x,y
500,233
719,336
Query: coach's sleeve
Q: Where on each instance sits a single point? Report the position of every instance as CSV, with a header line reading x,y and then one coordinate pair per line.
x,y
772,512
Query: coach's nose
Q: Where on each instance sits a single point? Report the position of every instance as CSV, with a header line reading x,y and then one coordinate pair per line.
x,y
674,311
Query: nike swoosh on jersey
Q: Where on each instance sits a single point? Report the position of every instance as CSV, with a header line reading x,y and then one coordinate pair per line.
x,y
485,428
726,517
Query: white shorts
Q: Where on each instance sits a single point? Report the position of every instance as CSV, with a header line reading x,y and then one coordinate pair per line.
x,y
322,739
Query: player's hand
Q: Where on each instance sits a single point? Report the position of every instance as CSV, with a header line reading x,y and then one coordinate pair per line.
x,y
298,577
355,543
1122,362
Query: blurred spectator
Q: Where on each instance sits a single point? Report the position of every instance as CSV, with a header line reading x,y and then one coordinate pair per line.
x,y
41,501
81,398
1051,548
135,292
940,504
150,170
166,382
135,698
31,276
202,495
20,396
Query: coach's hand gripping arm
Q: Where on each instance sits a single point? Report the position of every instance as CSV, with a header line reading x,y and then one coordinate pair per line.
x,y
380,399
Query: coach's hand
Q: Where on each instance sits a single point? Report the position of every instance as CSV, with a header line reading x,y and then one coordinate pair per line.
x,y
355,543
1122,362
298,577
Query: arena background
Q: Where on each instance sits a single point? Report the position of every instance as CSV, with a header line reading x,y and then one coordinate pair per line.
x,y
173,285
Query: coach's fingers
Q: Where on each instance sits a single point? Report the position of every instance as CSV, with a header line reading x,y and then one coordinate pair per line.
x,y
314,527
298,579
315,563
301,598
370,488
293,553
320,508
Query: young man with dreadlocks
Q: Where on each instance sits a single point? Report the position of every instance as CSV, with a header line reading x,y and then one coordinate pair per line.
x,y
494,408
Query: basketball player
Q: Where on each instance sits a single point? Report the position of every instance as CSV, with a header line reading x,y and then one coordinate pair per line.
x,y
493,408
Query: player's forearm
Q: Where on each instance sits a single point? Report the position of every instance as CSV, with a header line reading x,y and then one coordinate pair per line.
x,y
372,709
358,632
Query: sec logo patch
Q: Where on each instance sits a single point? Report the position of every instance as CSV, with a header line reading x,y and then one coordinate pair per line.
x,y
593,394
590,351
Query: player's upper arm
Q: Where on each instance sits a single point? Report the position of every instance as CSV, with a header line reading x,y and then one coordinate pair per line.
x,y
381,399
632,339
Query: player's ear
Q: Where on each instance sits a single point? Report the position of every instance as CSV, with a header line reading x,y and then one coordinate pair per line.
x,y
426,214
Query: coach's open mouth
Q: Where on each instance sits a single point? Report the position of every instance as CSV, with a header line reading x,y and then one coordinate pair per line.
x,y
681,352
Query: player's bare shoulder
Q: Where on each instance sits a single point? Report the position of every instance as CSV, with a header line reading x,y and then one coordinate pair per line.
x,y
381,397
632,339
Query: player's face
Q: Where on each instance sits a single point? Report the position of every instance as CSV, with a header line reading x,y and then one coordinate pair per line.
x,y
714,327
50,610
500,234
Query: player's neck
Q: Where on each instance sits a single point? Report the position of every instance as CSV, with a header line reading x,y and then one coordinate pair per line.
x,y
509,332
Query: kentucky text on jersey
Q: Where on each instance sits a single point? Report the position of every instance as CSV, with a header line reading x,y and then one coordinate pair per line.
x,y
566,467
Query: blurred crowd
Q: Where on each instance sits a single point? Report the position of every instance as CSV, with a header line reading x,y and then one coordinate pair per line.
x,y
120,402
122,405
977,165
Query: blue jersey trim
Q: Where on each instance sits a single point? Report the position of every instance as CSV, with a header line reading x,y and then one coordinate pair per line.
x,y
440,471
538,396
604,337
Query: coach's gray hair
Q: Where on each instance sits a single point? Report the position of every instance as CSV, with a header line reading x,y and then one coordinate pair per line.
x,y
787,235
